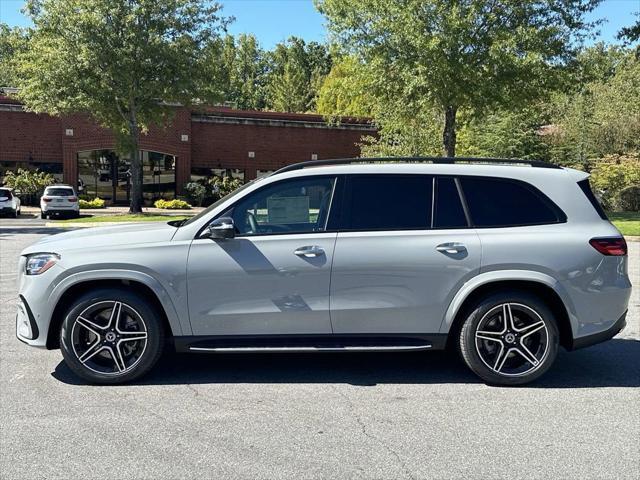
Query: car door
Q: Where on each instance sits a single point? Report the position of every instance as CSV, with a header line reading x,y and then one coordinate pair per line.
x,y
274,276
400,256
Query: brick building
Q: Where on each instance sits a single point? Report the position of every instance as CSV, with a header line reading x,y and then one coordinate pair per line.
x,y
198,143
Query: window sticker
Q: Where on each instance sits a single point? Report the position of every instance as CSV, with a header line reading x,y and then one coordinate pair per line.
x,y
286,210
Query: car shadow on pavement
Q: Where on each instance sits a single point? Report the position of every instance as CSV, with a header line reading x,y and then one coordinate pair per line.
x,y
612,364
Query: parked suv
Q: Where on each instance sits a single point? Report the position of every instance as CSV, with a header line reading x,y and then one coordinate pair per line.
x,y
505,262
59,200
9,203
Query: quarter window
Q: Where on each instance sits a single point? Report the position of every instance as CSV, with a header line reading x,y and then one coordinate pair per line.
x,y
494,202
290,206
389,202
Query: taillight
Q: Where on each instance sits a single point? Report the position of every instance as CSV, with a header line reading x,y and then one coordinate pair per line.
x,y
45,199
613,246
72,199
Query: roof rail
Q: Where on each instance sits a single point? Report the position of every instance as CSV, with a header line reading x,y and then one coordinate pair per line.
x,y
435,160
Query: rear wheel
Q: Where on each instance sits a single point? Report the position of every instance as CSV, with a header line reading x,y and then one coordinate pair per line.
x,y
43,215
111,336
509,338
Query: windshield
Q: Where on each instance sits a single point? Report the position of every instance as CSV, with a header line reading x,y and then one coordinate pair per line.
x,y
219,202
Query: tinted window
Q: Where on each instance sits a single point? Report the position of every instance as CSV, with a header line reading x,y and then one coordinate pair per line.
x,y
389,202
5,194
59,192
290,206
585,186
494,202
448,211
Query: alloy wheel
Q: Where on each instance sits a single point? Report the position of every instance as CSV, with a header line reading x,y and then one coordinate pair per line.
x,y
109,337
512,339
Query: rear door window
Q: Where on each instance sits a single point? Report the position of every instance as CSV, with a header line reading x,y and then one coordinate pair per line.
x,y
498,202
388,202
448,211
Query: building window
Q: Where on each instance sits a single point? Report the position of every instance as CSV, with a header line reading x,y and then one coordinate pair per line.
x,y
200,173
105,174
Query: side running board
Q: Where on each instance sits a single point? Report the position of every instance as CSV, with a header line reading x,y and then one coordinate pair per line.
x,y
302,349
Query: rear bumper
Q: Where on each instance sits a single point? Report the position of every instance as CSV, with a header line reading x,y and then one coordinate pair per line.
x,y
603,336
7,210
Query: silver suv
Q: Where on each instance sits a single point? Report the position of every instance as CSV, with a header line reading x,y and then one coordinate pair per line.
x,y
505,261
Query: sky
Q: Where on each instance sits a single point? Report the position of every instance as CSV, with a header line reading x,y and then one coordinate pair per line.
x,y
273,21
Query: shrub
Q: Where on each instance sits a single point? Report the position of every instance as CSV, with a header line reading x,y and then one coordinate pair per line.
x,y
222,186
91,204
30,183
613,174
630,198
195,192
172,204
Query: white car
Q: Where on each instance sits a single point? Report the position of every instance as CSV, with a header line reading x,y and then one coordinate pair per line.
x,y
9,203
59,200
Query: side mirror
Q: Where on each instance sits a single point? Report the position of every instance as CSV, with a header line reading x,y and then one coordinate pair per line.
x,y
220,229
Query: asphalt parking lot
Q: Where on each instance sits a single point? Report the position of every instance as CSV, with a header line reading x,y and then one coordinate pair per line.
x,y
418,415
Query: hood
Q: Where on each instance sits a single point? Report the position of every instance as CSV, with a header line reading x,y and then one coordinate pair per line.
x,y
91,238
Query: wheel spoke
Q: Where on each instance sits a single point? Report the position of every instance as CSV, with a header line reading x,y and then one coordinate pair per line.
x,y
116,356
114,319
527,355
89,325
489,335
95,348
508,317
531,329
500,358
132,336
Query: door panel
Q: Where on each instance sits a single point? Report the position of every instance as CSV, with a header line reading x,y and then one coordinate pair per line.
x,y
260,285
399,282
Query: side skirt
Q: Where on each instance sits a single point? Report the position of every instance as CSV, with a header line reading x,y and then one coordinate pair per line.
x,y
309,343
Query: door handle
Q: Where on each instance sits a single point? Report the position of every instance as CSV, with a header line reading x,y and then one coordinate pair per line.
x,y
451,248
309,251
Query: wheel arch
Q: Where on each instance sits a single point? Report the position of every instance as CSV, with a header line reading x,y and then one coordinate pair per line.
x,y
66,292
546,288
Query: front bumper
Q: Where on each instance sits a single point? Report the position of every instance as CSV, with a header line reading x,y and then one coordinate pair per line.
x,y
603,336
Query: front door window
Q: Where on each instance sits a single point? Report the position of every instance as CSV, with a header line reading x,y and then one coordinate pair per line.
x,y
291,206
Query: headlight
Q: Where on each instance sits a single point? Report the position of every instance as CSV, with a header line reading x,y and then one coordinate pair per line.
x,y
40,262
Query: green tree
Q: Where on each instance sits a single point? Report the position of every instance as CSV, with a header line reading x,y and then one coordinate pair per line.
x,y
295,72
345,91
453,56
122,61
602,118
12,40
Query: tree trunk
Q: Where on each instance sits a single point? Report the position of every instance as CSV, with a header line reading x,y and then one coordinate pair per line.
x,y
449,133
136,167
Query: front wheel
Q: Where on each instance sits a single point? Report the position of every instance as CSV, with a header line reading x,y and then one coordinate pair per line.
x,y
509,338
111,336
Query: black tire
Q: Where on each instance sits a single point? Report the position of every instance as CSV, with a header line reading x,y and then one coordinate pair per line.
x,y
15,213
43,215
95,343
482,340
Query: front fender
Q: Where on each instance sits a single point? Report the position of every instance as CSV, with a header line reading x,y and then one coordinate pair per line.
x,y
501,276
179,326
